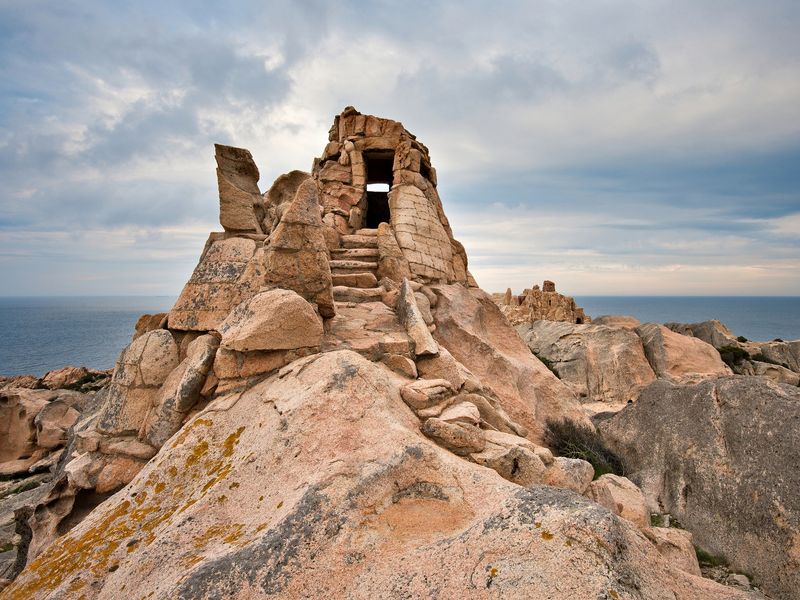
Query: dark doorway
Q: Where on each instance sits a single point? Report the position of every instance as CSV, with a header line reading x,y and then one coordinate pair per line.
x,y
379,181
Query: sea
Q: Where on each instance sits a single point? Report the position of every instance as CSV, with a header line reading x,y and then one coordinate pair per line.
x,y
38,334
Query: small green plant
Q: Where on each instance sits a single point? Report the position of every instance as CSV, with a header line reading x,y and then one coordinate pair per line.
x,y
707,559
741,339
6,547
777,340
572,440
548,363
733,355
656,520
766,359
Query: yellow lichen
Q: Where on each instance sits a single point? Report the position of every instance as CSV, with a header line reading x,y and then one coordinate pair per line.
x,y
546,535
160,487
231,441
189,428
197,453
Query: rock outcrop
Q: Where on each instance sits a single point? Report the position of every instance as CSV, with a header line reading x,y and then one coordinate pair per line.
x,y
322,464
536,304
599,363
777,360
240,202
472,328
721,456
679,358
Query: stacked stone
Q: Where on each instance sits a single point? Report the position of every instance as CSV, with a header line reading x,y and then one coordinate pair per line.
x,y
417,218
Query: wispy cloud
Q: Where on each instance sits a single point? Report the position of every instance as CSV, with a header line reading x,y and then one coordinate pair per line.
x,y
615,147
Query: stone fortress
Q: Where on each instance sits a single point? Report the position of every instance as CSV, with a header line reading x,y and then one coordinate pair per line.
x,y
540,304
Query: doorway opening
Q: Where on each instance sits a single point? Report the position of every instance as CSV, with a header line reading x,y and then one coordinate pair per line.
x,y
379,181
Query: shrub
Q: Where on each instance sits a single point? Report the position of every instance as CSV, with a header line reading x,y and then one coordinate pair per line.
x,y
777,340
766,359
572,440
741,339
548,363
733,355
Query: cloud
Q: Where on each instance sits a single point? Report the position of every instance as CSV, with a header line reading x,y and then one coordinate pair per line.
x,y
612,146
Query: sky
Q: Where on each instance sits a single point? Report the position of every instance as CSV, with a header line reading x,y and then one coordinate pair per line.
x,y
615,147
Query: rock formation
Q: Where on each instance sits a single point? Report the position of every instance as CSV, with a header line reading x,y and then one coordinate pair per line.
x,y
777,360
599,363
536,304
721,456
332,408
610,362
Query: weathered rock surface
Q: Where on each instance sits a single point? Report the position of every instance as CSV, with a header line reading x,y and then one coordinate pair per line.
x,y
231,269
141,370
317,483
711,332
410,315
679,358
272,320
540,304
621,496
720,456
180,393
472,328
278,197
599,363
391,261
297,256
240,200
676,546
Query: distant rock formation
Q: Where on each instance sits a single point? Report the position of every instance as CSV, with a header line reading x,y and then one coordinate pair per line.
x,y
540,304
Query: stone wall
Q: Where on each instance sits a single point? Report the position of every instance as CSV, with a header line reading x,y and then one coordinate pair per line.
x,y
422,230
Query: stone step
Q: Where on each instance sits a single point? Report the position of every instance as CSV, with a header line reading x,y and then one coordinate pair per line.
x,y
354,253
356,280
353,265
367,232
343,293
359,241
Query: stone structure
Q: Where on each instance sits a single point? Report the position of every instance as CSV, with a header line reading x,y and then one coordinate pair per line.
x,y
540,304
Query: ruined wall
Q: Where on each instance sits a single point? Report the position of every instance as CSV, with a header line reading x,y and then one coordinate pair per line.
x,y
540,304
422,230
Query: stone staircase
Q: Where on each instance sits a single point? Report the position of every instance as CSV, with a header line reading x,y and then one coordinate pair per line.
x,y
354,268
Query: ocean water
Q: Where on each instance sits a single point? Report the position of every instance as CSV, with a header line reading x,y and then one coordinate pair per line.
x,y
40,334
758,318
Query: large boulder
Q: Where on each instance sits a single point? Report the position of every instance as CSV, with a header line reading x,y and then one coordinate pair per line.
x,y
711,332
318,483
721,456
599,363
680,358
272,320
472,328
140,372
411,317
